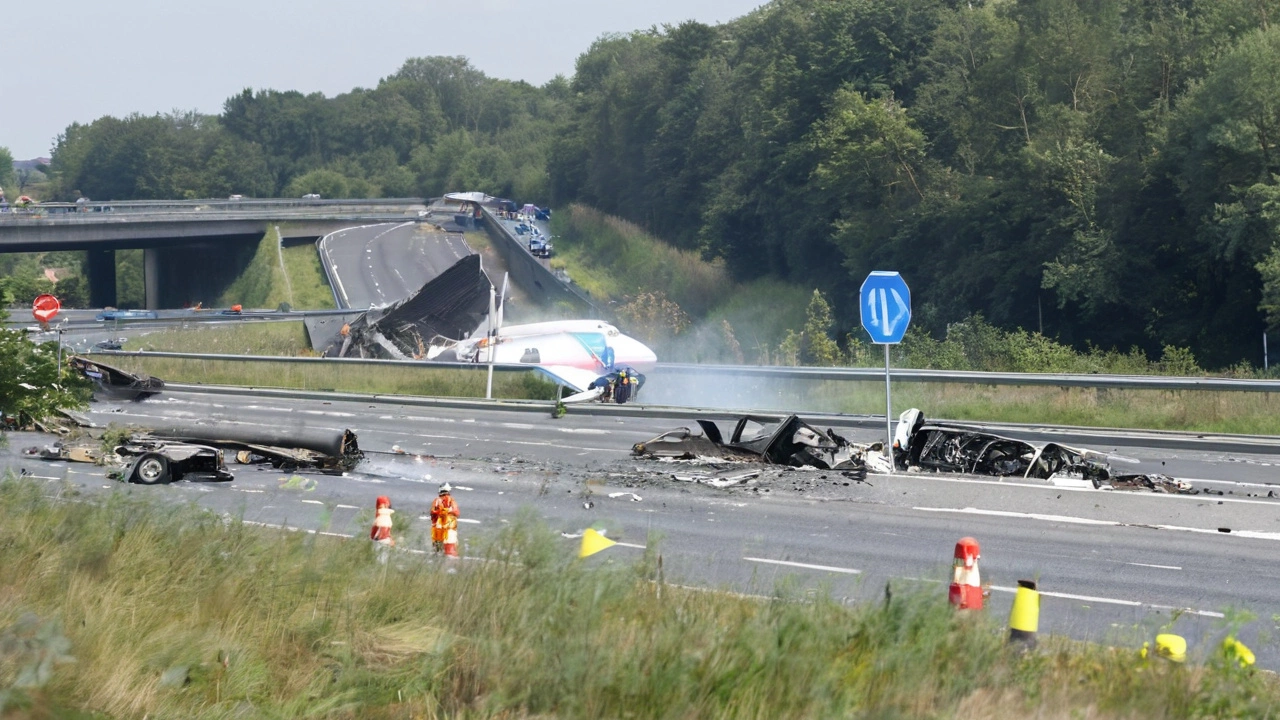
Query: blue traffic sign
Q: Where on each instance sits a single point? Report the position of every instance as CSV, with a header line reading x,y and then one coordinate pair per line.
x,y
885,305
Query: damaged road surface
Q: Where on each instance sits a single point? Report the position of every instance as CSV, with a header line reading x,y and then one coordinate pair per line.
x,y
197,451
918,447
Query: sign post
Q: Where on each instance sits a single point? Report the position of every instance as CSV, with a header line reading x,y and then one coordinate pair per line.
x,y
45,308
884,303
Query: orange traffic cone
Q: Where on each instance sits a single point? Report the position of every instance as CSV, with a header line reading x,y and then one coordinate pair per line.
x,y
381,532
966,584
451,543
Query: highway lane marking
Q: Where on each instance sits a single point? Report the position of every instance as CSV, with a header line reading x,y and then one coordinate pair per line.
x,y
468,520
1068,488
1070,596
1112,601
348,507
1113,523
1158,567
313,502
807,566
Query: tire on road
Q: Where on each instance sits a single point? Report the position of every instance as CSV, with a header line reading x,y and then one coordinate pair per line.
x,y
151,469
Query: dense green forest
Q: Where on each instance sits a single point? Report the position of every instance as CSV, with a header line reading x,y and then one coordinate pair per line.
x,y
1103,171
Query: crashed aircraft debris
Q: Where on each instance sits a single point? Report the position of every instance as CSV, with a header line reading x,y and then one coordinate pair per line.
x,y
114,382
918,447
451,304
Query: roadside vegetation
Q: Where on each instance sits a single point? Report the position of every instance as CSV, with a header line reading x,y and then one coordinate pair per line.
x,y
248,337
280,275
31,388
133,609
342,377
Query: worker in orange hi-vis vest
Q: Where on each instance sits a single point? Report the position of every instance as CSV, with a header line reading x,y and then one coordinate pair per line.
x,y
381,532
444,522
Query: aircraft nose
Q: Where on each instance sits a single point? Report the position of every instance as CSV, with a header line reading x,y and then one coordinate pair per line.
x,y
629,351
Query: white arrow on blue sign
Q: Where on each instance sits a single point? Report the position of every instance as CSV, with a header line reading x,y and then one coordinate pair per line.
x,y
885,305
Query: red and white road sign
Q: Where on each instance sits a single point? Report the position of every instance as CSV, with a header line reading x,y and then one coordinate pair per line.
x,y
46,308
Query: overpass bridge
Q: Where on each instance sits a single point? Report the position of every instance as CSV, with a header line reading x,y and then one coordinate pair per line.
x,y
188,244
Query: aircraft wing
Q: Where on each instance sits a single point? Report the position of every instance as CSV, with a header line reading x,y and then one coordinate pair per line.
x,y
572,377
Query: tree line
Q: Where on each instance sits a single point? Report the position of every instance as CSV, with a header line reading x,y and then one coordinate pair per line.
x,y
1101,171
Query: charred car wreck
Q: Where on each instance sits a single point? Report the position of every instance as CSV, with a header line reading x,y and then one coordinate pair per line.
x,y
198,452
146,460
946,447
790,442
918,447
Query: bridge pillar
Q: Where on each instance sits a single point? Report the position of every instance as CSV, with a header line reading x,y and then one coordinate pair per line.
x,y
151,277
102,278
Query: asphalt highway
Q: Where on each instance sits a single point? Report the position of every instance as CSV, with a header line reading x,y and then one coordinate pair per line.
x,y
375,265
1114,566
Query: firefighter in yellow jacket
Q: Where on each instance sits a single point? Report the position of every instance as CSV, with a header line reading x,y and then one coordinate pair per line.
x,y
444,523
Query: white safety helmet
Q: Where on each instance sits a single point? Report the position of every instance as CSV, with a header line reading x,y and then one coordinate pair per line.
x,y
446,488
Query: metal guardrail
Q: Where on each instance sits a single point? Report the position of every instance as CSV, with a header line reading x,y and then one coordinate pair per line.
x,y
968,377
1119,382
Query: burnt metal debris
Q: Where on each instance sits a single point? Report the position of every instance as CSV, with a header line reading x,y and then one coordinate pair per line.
x,y
334,451
146,460
919,446
114,382
789,442
958,448
198,452
451,305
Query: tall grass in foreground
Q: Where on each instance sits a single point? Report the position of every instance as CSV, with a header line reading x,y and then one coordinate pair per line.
x,y
175,612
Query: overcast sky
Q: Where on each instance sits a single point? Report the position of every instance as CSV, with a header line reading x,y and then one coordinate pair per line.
x,y
90,58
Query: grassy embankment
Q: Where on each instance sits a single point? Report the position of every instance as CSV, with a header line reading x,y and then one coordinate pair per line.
x,y
289,339
281,275
616,260
174,612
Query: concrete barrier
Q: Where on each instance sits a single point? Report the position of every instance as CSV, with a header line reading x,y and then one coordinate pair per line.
x,y
537,280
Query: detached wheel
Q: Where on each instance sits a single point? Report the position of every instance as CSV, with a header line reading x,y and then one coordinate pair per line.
x,y
151,469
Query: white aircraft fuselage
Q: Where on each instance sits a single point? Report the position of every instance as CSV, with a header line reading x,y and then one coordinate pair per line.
x,y
591,345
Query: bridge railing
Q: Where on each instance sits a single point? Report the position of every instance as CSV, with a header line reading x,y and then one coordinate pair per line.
x,y
100,211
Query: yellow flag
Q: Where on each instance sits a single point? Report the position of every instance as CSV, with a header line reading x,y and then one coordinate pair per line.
x,y
593,542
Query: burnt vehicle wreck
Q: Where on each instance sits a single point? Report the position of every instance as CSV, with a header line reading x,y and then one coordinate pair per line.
x,y
146,460
114,382
920,446
330,451
198,452
790,442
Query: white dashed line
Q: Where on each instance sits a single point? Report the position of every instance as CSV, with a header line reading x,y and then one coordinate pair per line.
x,y
825,568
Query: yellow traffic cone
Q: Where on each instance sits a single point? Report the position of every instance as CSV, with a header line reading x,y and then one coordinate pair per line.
x,y
593,542
1024,618
1237,651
